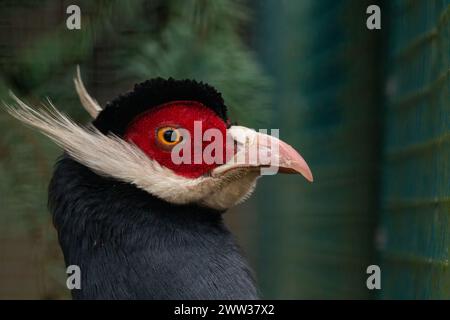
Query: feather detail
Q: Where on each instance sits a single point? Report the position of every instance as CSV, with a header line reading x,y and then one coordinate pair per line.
x,y
89,104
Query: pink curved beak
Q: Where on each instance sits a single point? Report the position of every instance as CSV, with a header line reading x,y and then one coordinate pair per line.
x,y
264,152
292,162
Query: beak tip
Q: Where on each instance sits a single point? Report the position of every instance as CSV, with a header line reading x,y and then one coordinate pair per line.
x,y
302,168
308,175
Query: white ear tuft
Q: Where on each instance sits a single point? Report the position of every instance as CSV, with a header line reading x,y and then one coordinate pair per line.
x,y
91,106
109,155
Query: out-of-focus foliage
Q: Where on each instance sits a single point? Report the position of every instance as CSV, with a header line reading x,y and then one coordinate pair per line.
x,y
201,40
120,43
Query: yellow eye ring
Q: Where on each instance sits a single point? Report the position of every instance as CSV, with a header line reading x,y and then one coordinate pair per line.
x,y
168,136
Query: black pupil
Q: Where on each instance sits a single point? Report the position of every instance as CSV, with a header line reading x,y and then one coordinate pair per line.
x,y
170,136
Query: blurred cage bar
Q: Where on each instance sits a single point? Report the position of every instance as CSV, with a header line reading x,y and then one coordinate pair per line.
x,y
415,231
316,240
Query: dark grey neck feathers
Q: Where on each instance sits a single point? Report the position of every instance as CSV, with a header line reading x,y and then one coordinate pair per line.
x,y
131,245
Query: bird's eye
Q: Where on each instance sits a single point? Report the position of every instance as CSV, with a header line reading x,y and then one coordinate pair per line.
x,y
168,136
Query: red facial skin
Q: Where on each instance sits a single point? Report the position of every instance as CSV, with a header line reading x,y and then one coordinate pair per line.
x,y
179,114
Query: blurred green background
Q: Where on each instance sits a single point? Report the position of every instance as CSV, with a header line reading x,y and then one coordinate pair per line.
x,y
368,109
